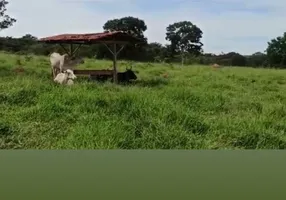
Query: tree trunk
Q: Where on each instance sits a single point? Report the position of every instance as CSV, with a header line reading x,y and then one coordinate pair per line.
x,y
182,59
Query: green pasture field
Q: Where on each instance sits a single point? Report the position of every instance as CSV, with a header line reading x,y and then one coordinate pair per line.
x,y
168,107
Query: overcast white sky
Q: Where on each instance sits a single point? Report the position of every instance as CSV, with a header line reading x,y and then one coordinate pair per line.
x,y
243,26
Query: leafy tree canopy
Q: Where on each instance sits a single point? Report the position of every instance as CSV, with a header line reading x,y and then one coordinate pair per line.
x,y
131,25
276,50
185,37
5,20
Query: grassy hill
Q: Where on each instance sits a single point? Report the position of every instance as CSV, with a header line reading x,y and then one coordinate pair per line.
x,y
195,107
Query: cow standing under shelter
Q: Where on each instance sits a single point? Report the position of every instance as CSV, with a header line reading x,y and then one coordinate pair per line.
x,y
59,63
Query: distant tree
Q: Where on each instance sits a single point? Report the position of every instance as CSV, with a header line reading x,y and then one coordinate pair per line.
x,y
29,37
185,37
257,59
238,60
5,20
155,52
131,25
231,59
276,51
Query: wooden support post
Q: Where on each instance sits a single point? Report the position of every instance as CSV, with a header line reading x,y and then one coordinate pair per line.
x,y
115,63
71,50
120,49
76,49
114,52
64,49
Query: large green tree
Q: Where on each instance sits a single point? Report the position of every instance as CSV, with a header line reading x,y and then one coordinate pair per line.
x,y
185,37
5,20
276,51
131,25
257,59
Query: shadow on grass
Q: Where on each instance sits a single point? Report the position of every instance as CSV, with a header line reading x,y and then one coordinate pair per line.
x,y
8,138
6,71
156,82
259,141
23,97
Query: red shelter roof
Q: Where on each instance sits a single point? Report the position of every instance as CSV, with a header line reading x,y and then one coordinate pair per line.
x,y
89,38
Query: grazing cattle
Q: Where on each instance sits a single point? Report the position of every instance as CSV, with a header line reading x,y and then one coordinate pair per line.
x,y
57,62
63,62
65,77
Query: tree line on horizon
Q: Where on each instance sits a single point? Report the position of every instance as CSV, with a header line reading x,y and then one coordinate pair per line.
x,y
184,37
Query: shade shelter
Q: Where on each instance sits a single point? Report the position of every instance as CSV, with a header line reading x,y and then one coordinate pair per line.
x,y
110,39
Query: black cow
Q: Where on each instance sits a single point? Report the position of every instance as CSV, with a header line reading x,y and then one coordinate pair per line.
x,y
126,76
122,77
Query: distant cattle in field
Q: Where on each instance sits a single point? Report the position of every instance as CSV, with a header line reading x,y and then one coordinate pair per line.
x,y
19,70
165,75
216,66
63,62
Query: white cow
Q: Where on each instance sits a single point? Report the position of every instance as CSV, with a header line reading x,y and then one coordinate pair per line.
x,y
65,77
63,62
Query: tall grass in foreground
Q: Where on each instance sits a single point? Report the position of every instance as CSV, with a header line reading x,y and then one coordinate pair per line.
x,y
195,107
